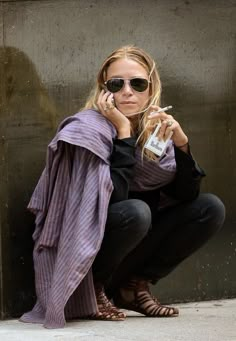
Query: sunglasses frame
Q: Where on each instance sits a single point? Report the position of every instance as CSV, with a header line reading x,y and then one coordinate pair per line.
x,y
129,80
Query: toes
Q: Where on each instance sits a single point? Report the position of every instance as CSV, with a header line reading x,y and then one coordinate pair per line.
x,y
113,315
176,311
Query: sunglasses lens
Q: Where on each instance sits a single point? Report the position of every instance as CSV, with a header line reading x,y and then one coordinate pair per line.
x,y
115,84
139,84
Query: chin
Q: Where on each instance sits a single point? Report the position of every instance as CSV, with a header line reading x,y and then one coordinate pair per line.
x,y
130,112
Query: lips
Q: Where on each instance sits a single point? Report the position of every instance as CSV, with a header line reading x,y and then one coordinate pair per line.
x,y
127,102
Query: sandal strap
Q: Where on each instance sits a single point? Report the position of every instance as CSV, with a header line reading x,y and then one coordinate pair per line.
x,y
143,301
106,310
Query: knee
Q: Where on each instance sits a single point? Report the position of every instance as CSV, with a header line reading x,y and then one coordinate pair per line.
x,y
139,217
214,211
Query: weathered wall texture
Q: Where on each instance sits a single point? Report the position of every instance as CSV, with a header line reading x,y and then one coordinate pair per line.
x,y
50,52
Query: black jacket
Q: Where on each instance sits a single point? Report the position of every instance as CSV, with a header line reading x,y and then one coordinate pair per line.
x,y
185,186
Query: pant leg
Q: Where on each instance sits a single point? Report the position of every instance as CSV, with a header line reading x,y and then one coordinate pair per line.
x,y
176,233
197,222
127,224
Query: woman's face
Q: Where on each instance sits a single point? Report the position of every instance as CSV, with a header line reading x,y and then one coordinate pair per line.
x,y
127,100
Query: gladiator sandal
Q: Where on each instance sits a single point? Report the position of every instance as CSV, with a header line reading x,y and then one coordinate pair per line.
x,y
106,310
136,296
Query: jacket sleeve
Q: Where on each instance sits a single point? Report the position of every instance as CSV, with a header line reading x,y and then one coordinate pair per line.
x,y
121,169
186,185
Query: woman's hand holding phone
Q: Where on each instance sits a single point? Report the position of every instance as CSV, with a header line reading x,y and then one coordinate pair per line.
x,y
108,109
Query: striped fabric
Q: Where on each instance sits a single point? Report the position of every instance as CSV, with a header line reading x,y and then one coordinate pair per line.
x,y
70,202
152,174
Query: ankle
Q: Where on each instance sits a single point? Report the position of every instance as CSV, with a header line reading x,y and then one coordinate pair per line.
x,y
138,284
127,295
99,290
132,288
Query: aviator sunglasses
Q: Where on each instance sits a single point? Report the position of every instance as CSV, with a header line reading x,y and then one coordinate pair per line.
x,y
116,84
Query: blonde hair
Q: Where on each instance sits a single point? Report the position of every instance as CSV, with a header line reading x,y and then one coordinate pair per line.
x,y
144,59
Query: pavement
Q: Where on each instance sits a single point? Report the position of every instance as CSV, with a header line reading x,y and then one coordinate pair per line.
x,y
198,321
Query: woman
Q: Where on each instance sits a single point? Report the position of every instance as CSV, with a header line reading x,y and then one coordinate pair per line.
x,y
111,216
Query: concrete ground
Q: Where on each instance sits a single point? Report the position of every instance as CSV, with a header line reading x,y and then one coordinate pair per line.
x,y
198,321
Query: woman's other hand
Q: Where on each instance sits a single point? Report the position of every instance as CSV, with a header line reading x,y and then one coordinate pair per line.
x,y
168,126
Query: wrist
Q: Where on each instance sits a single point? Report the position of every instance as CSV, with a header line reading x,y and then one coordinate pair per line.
x,y
182,146
182,143
124,132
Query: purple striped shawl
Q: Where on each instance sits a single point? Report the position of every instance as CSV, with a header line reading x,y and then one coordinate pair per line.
x,y
70,202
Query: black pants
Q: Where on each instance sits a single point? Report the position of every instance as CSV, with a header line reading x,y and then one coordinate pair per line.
x,y
137,244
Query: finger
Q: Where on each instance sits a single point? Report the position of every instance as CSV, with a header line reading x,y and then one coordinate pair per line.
x,y
100,97
110,100
162,130
103,94
152,120
167,126
161,116
104,97
152,110
169,131
102,101
110,104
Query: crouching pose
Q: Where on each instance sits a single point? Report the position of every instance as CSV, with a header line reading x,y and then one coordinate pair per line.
x,y
112,216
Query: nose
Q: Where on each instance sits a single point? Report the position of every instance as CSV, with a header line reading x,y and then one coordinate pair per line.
x,y
127,87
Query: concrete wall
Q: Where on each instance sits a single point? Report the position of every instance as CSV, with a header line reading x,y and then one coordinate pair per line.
x,y
49,55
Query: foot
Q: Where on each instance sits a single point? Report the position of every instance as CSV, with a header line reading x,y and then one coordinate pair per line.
x,y
136,296
106,310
